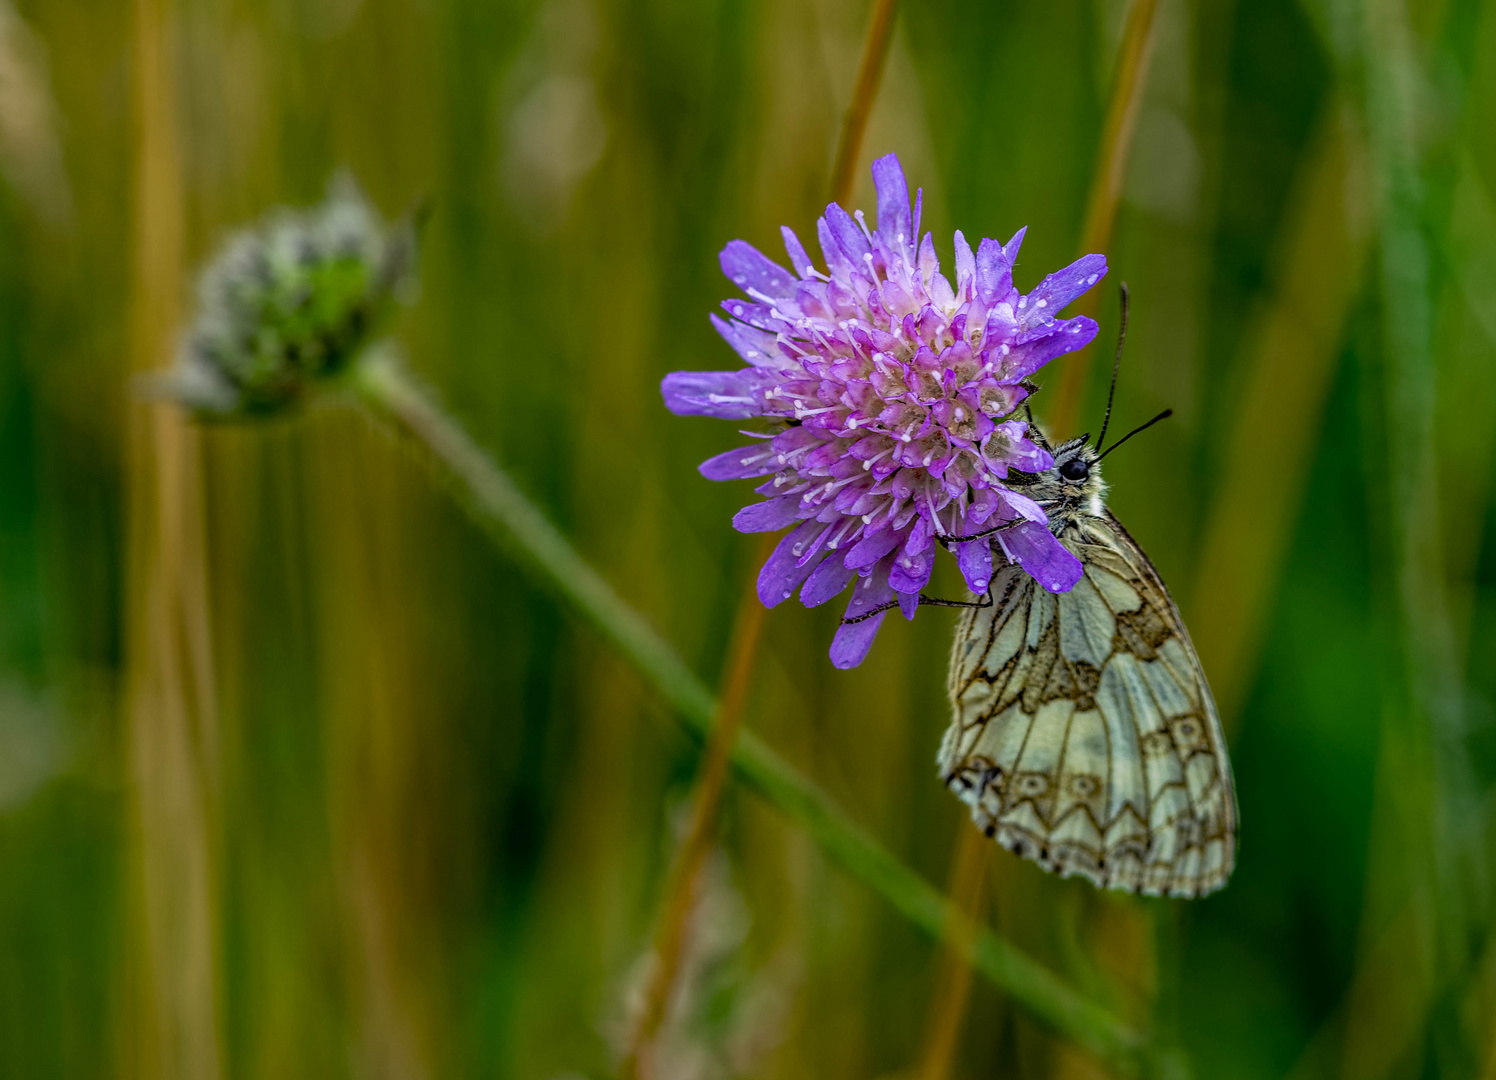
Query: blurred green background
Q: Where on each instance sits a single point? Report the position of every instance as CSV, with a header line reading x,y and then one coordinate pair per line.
x,y
397,815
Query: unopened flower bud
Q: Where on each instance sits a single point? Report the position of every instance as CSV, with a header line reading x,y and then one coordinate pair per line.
x,y
289,302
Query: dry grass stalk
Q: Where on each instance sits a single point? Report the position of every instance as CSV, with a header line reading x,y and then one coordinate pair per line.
x,y
1128,85
747,626
169,701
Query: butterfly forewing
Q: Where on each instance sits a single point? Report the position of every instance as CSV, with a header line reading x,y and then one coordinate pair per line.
x,y
1084,735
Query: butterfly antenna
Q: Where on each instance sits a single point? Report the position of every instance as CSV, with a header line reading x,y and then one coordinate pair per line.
x,y
1116,365
1142,427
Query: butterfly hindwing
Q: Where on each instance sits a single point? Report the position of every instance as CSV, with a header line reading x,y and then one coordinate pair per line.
x,y
1084,735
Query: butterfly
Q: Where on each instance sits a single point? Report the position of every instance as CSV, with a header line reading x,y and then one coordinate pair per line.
x,y
1084,735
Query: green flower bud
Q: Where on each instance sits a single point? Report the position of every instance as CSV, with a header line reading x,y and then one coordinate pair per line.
x,y
289,302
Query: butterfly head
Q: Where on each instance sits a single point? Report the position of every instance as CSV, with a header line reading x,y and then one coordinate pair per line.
x,y
1072,486
1076,466
1075,485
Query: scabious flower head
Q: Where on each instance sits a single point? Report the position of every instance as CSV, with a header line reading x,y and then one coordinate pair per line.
x,y
890,394
288,302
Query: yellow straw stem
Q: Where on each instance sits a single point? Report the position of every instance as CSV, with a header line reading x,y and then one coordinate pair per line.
x,y
748,622
869,76
171,731
1128,85
681,894
947,1013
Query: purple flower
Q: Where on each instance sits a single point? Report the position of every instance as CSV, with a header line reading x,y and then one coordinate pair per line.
x,y
890,390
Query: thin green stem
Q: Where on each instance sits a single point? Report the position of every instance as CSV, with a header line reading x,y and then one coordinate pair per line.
x,y
1428,799
498,506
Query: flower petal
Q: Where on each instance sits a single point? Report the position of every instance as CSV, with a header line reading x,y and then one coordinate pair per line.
x,y
1027,456
975,559
837,261
729,395
764,316
921,537
908,602
872,591
1056,291
872,547
1025,507
741,463
853,640
826,581
756,346
784,571
767,516
791,441
847,235
994,272
966,267
796,251
893,201
749,268
1033,547
911,569
1064,336
1010,249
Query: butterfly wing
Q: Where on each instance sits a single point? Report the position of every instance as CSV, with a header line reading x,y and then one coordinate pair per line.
x,y
1084,735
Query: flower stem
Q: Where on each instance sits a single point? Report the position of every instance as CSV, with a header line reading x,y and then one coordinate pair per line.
x,y
1133,56
499,507
869,75
947,1014
742,653
680,893
170,739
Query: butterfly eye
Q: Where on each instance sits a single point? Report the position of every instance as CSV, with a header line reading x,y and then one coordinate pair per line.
x,y
1075,470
